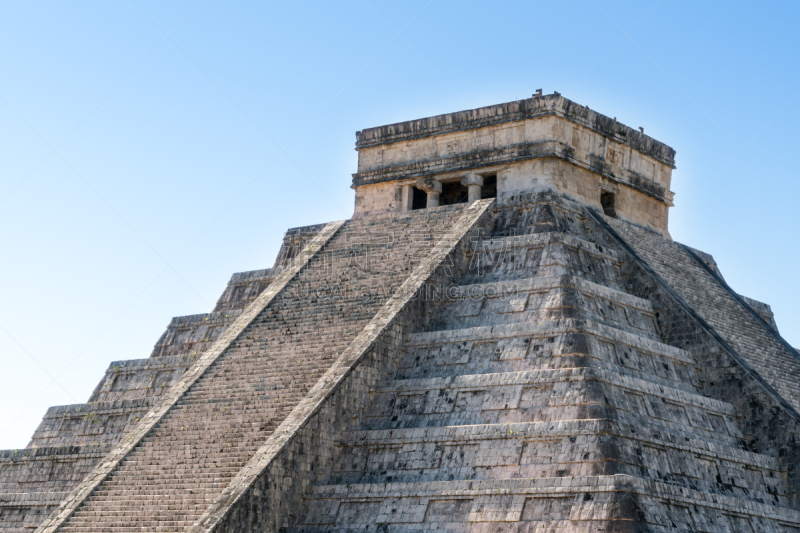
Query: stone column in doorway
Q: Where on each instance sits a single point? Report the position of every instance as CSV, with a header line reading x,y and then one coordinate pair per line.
x,y
473,183
433,188
406,197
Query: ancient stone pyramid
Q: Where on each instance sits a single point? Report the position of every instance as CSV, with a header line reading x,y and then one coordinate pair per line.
x,y
543,359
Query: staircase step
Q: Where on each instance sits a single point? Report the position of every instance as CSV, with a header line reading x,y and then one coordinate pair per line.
x,y
546,344
555,449
539,299
549,395
499,244
541,283
543,254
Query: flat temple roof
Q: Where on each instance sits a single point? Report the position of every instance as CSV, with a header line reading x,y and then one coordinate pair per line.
x,y
537,106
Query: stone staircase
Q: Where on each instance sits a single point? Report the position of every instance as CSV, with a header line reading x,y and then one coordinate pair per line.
x,y
540,396
168,480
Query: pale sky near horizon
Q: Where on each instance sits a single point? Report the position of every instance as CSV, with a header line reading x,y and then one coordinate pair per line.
x,y
149,151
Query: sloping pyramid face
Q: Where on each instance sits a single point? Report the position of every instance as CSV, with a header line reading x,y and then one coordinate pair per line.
x,y
167,482
554,378
541,397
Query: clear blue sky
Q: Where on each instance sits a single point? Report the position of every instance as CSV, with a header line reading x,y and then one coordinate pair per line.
x,y
147,151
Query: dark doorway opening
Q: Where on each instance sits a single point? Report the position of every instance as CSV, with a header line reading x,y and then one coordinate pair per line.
x,y
419,199
489,189
453,193
607,201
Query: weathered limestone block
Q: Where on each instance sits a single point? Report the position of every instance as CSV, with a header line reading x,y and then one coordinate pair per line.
x,y
244,287
57,469
294,240
764,310
89,423
25,511
194,334
141,378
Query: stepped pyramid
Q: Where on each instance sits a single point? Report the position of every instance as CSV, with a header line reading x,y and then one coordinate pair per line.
x,y
503,338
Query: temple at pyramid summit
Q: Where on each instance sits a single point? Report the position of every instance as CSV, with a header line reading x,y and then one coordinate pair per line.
x,y
503,338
